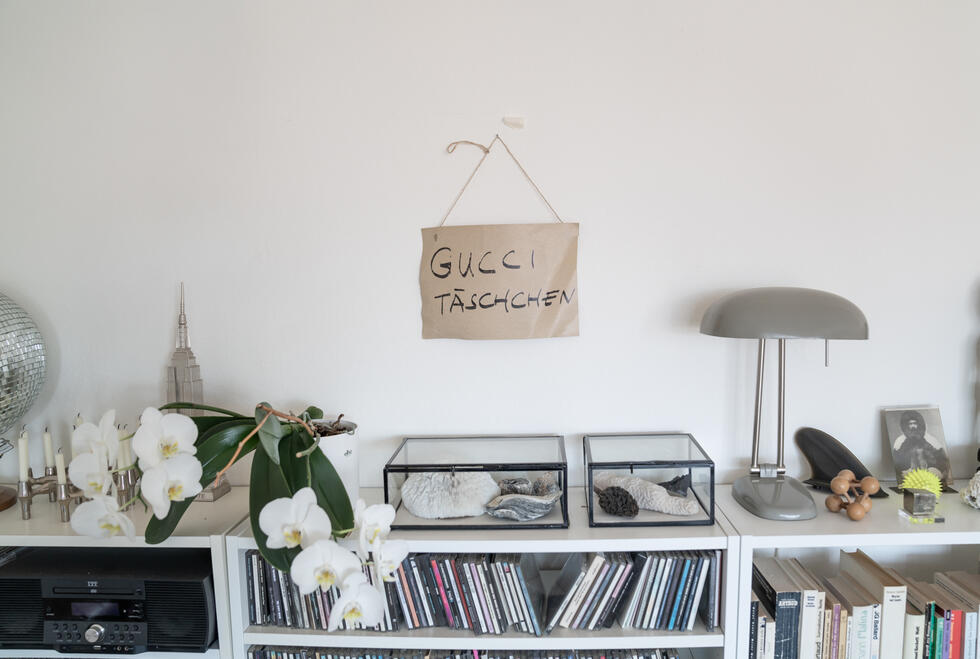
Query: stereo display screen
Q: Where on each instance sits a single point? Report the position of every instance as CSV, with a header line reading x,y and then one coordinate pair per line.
x,y
95,609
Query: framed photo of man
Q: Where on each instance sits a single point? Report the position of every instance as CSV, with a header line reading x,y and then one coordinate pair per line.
x,y
918,442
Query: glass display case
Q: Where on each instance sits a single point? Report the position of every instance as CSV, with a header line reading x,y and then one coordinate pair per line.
x,y
477,482
648,479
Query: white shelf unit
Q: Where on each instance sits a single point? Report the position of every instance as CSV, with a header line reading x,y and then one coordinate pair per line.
x,y
881,530
203,526
579,537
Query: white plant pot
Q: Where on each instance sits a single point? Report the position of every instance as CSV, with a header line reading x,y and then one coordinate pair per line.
x,y
341,450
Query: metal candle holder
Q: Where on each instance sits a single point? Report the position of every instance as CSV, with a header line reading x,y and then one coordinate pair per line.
x,y
125,480
47,484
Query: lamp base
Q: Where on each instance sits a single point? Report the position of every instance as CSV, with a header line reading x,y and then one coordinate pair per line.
x,y
782,498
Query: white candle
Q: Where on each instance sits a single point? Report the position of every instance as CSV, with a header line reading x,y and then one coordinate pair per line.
x,y
59,461
125,457
78,420
23,453
48,449
122,455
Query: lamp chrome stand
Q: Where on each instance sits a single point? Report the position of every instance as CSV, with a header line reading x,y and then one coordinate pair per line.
x,y
766,491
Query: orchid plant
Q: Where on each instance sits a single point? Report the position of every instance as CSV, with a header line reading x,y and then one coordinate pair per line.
x,y
301,515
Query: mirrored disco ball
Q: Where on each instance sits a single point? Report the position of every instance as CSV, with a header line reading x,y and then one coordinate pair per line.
x,y
22,363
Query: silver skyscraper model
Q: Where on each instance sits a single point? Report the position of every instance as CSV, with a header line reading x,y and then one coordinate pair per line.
x,y
184,385
184,382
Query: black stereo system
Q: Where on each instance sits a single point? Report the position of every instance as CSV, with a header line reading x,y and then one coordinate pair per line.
x,y
108,600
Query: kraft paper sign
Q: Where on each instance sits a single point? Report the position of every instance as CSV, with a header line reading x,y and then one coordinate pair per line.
x,y
499,281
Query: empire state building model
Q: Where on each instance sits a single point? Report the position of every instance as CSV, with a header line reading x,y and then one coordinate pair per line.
x,y
184,382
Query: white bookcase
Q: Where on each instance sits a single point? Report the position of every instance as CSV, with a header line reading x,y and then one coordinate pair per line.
x,y
203,526
916,549
579,537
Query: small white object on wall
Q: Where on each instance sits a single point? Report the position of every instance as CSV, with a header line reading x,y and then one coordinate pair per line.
x,y
514,121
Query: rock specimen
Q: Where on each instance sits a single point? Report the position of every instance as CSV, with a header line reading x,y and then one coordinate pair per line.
x,y
522,507
649,496
971,493
546,484
617,501
515,486
678,485
443,494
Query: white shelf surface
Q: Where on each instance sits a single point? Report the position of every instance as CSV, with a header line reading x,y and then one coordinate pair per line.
x,y
881,526
53,654
201,521
579,537
448,639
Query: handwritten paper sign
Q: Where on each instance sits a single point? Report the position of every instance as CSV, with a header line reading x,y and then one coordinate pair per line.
x,y
499,281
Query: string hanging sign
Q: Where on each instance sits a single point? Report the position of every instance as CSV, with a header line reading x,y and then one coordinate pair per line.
x,y
499,281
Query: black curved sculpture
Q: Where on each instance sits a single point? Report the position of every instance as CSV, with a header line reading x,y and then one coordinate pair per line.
x,y
827,457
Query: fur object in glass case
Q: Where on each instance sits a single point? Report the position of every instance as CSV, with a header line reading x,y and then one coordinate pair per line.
x,y
444,495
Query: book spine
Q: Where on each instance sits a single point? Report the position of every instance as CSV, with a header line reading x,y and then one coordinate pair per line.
x,y
669,592
682,585
472,581
912,643
687,596
259,567
423,600
442,592
511,578
592,598
657,592
786,614
754,629
698,596
956,634
250,580
457,589
970,634
495,570
432,592
400,590
483,598
619,589
282,602
526,597
459,580
493,598
409,598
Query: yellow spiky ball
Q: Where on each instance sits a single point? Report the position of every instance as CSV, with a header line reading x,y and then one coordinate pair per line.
x,y
922,479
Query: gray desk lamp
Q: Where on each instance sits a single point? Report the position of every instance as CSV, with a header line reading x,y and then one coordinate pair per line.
x,y
779,313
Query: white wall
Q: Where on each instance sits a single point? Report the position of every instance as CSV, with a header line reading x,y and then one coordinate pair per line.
x,y
281,158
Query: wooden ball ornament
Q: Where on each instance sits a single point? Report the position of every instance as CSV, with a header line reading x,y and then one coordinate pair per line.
x,y
852,495
834,504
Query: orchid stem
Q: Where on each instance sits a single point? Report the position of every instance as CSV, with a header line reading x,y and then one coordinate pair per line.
x,y
307,451
238,450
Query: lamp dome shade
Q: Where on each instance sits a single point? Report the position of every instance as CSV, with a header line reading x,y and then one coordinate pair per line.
x,y
784,313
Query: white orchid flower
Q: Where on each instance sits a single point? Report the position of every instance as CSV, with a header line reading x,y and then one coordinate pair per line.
x,y
359,602
389,556
175,479
88,472
101,440
322,565
296,521
100,518
163,436
372,524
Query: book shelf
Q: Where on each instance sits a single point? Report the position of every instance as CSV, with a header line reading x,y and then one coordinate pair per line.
x,y
881,531
204,526
579,537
